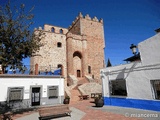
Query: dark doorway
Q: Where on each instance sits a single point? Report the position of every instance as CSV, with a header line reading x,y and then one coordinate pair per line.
x,y
78,73
61,68
35,96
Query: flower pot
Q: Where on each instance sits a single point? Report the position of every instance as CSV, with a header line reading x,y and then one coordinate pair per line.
x,y
99,102
66,101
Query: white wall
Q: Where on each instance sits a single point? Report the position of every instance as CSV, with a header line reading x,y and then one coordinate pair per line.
x,y
27,82
137,79
149,50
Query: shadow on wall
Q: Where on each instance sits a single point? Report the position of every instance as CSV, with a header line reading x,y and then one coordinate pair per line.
x,y
121,74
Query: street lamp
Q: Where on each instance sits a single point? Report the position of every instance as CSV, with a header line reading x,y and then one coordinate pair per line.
x,y
133,48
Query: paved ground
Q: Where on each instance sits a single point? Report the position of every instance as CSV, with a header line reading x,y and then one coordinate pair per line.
x,y
75,115
85,110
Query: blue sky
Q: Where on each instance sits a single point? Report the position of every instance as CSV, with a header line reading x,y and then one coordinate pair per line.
x,y
125,21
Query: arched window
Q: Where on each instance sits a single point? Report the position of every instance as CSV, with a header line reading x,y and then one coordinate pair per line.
x,y
52,29
61,31
59,44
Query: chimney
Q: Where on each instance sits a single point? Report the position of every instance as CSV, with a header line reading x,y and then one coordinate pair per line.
x,y
157,30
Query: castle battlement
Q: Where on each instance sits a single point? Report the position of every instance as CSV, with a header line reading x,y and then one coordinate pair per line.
x,y
87,17
53,29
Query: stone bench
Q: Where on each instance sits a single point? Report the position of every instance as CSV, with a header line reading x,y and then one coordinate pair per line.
x,y
54,111
83,97
95,95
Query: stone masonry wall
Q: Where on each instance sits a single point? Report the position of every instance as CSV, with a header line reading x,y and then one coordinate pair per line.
x,y
95,44
50,55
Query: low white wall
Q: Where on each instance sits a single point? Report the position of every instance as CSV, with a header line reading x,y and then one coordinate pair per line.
x,y
27,82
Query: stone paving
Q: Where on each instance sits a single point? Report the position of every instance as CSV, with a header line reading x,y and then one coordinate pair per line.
x,y
92,113
86,110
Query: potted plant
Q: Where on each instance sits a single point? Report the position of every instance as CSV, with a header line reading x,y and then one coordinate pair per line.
x,y
99,101
66,100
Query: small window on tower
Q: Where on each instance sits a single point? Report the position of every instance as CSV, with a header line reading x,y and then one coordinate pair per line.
x,y
52,29
61,31
89,69
59,44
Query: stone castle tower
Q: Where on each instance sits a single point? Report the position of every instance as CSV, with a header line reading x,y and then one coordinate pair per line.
x,y
78,50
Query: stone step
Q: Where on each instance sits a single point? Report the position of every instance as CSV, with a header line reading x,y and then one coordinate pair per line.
x,y
82,80
74,95
74,92
75,98
76,87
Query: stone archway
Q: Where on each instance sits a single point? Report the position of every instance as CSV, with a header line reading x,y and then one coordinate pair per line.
x,y
77,64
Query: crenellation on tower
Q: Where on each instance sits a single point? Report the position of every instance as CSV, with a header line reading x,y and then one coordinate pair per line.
x,y
87,17
101,20
77,18
39,28
80,15
55,29
73,22
69,27
95,19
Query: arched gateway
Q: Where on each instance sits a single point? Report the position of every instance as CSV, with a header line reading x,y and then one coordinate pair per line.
x,y
77,64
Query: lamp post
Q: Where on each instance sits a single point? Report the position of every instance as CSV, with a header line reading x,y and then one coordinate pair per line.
x,y
133,48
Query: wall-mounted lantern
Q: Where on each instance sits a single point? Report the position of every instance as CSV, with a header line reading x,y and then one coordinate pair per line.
x,y
134,49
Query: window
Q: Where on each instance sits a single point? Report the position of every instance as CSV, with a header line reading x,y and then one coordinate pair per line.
x,y
93,76
59,44
52,92
118,88
156,88
61,31
78,73
60,66
89,69
52,29
15,94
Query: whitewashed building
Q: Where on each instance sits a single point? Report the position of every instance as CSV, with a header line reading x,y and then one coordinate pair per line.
x,y
25,91
135,84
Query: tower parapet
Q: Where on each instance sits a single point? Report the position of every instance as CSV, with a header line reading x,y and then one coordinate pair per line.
x,y
39,28
87,17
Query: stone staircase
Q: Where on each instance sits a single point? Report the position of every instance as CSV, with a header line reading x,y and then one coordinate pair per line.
x,y
75,92
74,95
84,85
82,81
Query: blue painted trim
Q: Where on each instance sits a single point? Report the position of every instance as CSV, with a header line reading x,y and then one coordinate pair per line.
x,y
133,103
